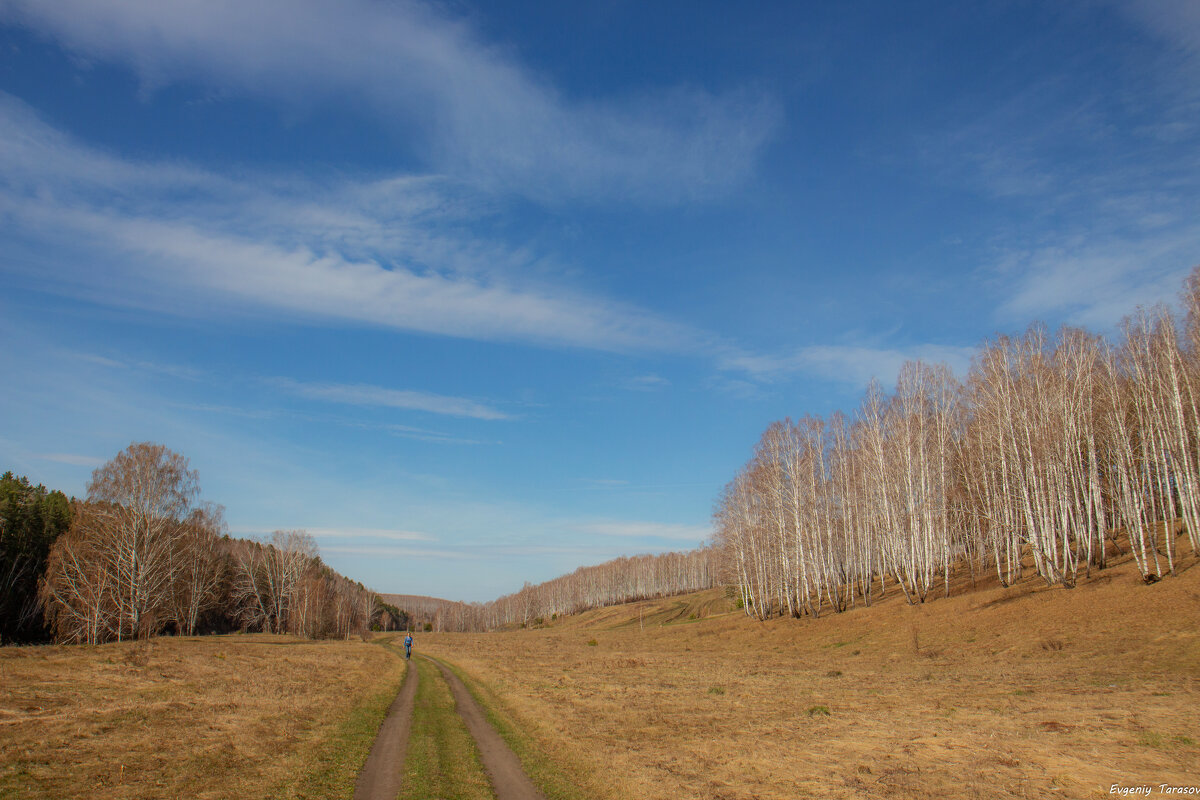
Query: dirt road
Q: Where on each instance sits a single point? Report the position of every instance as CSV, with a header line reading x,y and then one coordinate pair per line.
x,y
509,781
382,774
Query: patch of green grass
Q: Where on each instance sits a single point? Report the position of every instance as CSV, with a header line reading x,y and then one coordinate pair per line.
x,y
443,760
1022,692
818,711
716,690
1181,739
1152,739
335,762
557,781
592,643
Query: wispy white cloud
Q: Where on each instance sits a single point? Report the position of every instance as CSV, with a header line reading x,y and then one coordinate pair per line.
x,y
367,395
1175,23
170,370
347,394
371,533
436,437
73,459
849,364
510,554
385,534
1141,237
1096,282
645,530
1096,180
395,429
480,113
647,383
387,253
400,552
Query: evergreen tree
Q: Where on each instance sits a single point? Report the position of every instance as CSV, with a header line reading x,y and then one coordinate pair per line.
x,y
31,519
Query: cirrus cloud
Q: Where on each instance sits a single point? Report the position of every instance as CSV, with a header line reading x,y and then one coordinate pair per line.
x,y
474,110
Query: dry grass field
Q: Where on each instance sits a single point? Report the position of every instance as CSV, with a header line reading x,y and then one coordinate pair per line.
x,y
1019,692
215,717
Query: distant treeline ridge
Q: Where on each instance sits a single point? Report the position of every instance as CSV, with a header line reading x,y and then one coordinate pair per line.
x,y
621,580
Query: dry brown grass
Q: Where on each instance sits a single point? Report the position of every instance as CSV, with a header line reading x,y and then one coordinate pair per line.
x,y
213,717
1016,692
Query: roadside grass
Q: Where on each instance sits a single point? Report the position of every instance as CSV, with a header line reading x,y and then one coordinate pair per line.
x,y
554,781
443,761
246,716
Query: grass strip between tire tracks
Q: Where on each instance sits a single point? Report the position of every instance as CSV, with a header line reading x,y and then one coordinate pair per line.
x,y
549,777
443,761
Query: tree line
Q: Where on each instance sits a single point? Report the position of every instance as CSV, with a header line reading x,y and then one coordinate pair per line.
x,y
621,580
141,555
1051,452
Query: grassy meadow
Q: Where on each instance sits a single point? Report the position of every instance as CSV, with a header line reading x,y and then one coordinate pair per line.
x,y
252,716
1018,692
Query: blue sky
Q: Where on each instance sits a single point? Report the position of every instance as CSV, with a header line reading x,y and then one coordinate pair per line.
x,y
477,294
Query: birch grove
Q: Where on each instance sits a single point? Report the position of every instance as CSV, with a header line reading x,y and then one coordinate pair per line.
x,y
141,557
620,580
1053,453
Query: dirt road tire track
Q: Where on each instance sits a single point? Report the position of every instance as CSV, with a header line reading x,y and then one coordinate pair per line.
x,y
383,773
509,780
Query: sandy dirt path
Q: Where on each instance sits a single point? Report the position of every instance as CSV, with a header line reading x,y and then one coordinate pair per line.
x,y
382,774
509,781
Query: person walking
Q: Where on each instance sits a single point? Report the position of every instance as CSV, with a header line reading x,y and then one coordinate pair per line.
x,y
408,640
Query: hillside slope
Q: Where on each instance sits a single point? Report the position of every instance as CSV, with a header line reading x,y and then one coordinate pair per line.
x,y
993,693
652,613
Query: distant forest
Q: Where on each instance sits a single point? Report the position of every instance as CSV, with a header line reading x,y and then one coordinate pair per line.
x,y
1055,450
143,556
622,580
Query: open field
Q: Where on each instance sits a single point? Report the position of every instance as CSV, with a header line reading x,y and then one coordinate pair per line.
x,y
216,717
1020,692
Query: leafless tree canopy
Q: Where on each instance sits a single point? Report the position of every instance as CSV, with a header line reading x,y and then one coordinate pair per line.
x,y
1051,449
142,556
